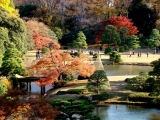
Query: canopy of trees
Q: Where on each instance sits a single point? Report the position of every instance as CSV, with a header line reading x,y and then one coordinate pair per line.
x,y
118,22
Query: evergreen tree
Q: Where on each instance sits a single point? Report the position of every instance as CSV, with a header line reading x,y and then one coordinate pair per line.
x,y
110,35
80,41
154,38
13,30
12,62
133,42
98,81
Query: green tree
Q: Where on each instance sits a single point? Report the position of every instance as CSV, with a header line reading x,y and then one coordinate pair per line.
x,y
80,41
156,66
72,106
98,81
27,10
115,57
124,34
110,35
58,32
11,62
3,88
13,32
154,38
133,42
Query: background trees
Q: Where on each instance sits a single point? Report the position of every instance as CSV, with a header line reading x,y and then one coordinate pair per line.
x,y
143,16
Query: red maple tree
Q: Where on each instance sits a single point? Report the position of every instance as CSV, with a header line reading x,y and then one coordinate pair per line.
x,y
57,62
118,22
41,41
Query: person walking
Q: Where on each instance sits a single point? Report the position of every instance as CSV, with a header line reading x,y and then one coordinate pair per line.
x,y
38,54
147,54
130,53
138,54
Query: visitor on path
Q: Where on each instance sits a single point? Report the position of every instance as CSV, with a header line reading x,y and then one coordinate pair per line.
x,y
138,54
100,48
147,54
130,53
38,54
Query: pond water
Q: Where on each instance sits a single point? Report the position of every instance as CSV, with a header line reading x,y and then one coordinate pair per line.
x,y
119,70
127,112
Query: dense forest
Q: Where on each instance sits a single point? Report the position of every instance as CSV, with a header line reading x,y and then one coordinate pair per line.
x,y
71,16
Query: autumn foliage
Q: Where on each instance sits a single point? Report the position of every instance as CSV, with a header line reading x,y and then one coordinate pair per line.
x,y
57,62
42,35
15,105
118,22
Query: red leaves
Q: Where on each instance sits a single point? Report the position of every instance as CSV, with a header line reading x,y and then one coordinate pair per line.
x,y
118,22
43,41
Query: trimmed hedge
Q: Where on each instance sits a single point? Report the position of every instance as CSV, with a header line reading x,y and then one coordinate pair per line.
x,y
76,91
140,97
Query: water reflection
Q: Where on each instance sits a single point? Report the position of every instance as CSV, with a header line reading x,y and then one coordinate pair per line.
x,y
118,70
35,88
127,112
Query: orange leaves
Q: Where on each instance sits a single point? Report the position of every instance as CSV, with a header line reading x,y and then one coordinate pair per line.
x,y
19,107
42,41
56,62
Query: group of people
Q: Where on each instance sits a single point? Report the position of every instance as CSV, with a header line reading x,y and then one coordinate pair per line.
x,y
139,54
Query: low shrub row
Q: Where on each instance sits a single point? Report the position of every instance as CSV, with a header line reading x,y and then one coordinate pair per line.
x,y
140,97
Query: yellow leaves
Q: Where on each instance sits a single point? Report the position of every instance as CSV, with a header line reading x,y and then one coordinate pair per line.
x,y
5,81
5,5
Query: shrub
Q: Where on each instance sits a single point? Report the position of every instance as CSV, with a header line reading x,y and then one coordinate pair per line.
x,y
115,57
107,50
121,49
126,48
142,97
76,91
60,83
95,55
102,96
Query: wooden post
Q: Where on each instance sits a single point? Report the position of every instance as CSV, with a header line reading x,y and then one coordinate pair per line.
x,y
29,88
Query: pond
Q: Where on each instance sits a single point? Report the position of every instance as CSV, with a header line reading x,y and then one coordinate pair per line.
x,y
119,70
127,112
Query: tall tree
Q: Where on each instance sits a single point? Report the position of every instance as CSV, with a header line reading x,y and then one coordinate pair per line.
x,y
80,41
110,35
154,38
